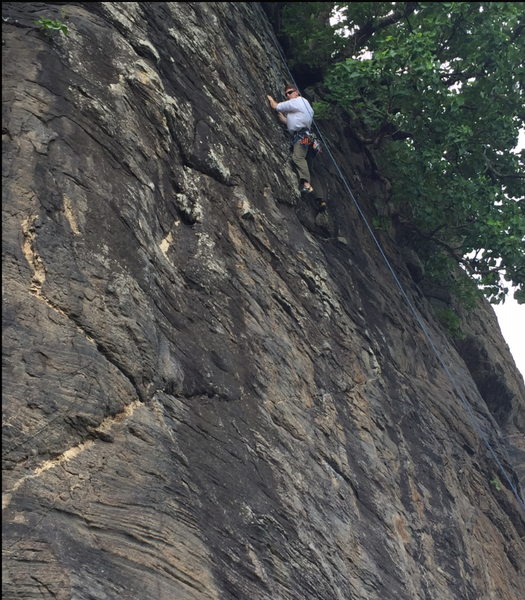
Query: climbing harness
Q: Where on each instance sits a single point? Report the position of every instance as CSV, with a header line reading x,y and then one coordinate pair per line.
x,y
307,138
404,294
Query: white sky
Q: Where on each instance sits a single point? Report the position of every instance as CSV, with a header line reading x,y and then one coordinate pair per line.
x,y
511,315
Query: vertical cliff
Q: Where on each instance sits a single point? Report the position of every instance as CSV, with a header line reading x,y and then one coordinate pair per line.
x,y
209,391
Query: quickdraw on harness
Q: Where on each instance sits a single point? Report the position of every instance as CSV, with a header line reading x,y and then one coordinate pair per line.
x,y
307,138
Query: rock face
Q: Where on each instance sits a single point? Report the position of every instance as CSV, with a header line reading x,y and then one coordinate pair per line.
x,y
209,392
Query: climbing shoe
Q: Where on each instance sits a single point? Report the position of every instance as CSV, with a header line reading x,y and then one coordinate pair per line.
x,y
307,189
321,205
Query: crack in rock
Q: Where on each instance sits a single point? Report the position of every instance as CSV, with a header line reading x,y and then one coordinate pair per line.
x,y
102,431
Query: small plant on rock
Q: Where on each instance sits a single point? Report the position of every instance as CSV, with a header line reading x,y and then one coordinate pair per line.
x,y
50,25
452,323
496,483
322,110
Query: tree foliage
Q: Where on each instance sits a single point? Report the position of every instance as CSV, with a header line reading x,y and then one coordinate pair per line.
x,y
438,89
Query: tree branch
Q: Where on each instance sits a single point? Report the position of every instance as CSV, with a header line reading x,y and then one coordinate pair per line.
x,y
493,171
517,33
457,77
362,35
470,265
450,250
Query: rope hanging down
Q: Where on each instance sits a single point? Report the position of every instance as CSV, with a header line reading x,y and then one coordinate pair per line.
x,y
413,310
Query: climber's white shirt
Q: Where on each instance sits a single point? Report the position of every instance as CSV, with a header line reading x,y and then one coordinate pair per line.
x,y
299,113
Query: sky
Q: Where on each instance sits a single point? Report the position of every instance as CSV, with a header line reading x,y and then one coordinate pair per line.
x,y
511,315
511,318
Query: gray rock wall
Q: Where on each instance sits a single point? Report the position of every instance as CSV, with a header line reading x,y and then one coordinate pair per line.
x,y
209,392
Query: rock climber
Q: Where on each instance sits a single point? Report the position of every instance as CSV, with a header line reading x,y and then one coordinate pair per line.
x,y
297,114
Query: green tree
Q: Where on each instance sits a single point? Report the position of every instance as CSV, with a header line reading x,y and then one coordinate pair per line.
x,y
436,89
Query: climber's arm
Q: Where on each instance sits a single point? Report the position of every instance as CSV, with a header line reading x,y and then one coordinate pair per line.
x,y
273,104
